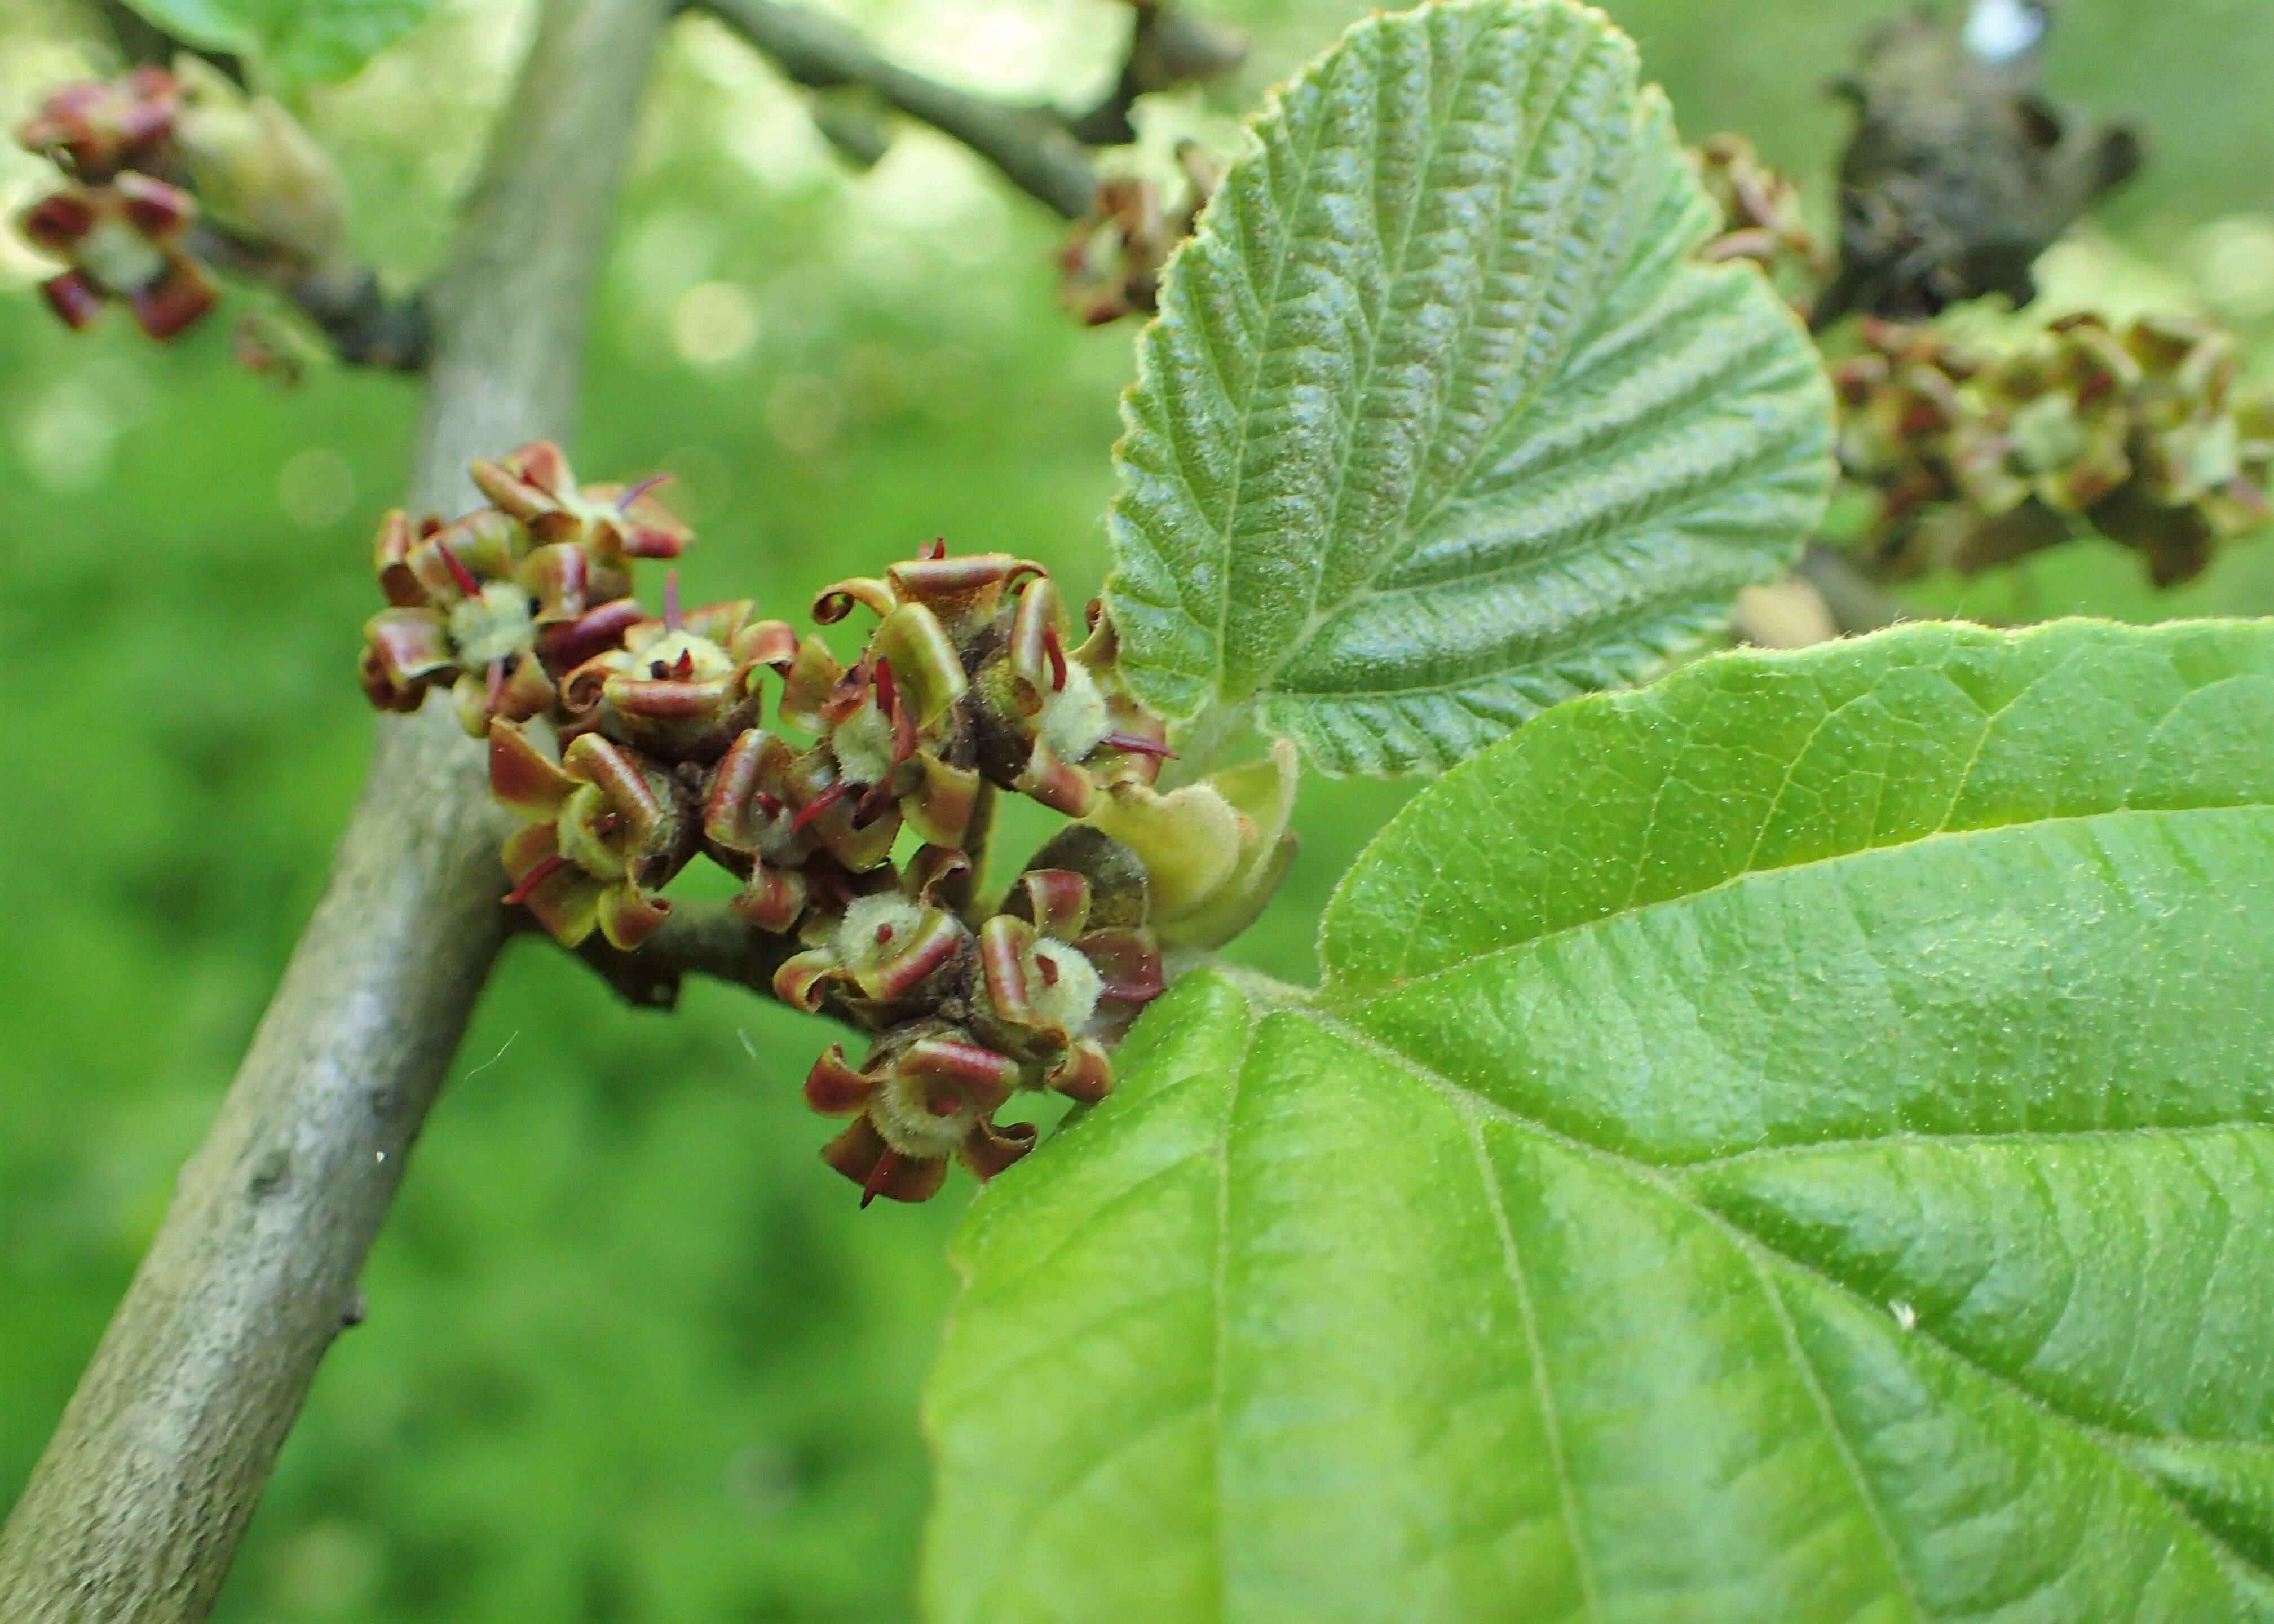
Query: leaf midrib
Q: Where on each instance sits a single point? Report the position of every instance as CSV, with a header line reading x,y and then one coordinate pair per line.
x,y
1410,525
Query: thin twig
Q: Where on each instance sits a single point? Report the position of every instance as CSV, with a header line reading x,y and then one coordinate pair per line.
x,y
1031,144
136,1507
698,939
345,302
1168,47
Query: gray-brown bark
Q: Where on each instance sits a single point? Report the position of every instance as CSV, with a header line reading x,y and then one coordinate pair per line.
x,y
138,1506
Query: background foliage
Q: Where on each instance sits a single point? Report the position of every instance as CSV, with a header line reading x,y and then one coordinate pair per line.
x,y
632,1354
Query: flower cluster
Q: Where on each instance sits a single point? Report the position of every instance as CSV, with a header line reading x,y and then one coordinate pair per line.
x,y
1762,218
120,222
2139,434
856,821
140,155
1112,263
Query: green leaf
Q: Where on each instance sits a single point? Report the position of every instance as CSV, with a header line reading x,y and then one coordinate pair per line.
x,y
292,40
1440,424
1793,1143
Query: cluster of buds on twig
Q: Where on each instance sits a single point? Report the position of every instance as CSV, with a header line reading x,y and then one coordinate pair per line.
x,y
2142,434
631,745
1762,219
1112,263
152,160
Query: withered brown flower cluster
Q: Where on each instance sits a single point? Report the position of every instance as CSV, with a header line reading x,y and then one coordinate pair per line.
x,y
1762,218
2139,434
1110,264
144,158
630,744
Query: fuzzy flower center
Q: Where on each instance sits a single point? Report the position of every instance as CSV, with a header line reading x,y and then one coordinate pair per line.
x,y
492,627
702,660
875,928
1062,984
863,744
1074,720
114,255
919,1118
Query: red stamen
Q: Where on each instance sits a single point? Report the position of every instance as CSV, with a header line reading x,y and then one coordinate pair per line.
x,y
820,804
932,551
460,574
607,823
685,668
1057,656
1047,970
888,695
672,620
770,806
883,935
943,1105
1138,745
544,870
887,1164
624,502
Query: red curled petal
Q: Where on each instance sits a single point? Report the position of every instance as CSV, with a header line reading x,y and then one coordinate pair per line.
x,y
628,915
1086,1074
667,698
861,1154
75,300
934,869
834,602
523,777
175,302
767,643
990,1148
55,222
1004,942
834,1088
599,761
925,951
1056,900
153,208
1056,785
567,645
978,1075
773,899
734,792
803,977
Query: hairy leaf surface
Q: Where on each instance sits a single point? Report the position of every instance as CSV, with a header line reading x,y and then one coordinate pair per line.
x,y
1793,1145
1440,424
291,40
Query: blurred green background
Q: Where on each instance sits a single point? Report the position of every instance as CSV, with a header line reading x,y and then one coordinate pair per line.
x,y
632,1353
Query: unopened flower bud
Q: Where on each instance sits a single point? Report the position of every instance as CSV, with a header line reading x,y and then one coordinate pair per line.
x,y
256,170
1214,850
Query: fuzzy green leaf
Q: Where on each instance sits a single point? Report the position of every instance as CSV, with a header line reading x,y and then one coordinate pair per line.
x,y
1440,424
291,40
1793,1144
